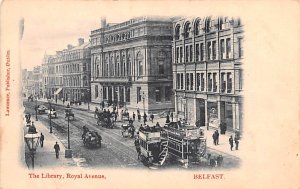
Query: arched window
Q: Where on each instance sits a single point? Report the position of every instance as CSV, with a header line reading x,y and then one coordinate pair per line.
x,y
129,65
123,36
187,30
123,65
196,27
140,62
208,25
177,32
118,37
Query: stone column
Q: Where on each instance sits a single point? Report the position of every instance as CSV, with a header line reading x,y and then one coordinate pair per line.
x,y
219,111
206,113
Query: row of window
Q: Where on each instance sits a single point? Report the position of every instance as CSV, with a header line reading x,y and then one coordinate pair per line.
x,y
158,94
66,81
225,51
109,92
201,26
199,82
72,55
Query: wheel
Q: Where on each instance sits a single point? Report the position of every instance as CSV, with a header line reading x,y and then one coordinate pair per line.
x,y
123,133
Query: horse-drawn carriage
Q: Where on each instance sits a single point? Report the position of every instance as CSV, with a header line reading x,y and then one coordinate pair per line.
x,y
91,139
69,113
105,119
125,115
128,129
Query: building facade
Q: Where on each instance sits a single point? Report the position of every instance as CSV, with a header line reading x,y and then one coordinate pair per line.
x,y
67,73
207,71
131,64
28,83
37,79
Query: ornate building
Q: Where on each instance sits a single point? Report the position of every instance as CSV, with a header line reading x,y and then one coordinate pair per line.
x,y
131,64
67,73
207,71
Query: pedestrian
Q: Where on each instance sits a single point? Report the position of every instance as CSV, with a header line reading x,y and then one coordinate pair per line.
x,y
231,142
219,160
168,119
56,99
63,100
145,118
152,117
172,116
214,138
157,125
102,105
96,112
133,116
68,105
236,141
139,117
42,138
217,137
138,111
57,149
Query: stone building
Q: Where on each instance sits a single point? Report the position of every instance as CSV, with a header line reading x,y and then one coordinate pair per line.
x,y
207,71
67,73
27,83
37,79
131,64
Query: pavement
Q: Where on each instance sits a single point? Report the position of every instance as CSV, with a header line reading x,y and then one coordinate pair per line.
x,y
222,147
45,156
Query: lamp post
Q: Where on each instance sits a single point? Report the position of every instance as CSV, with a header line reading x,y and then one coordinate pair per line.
x,y
49,100
144,102
68,152
31,140
36,108
88,98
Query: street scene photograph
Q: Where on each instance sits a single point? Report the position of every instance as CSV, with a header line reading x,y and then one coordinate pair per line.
x,y
146,92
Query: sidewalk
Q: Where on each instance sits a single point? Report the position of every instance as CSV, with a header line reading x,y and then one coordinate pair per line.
x,y
45,157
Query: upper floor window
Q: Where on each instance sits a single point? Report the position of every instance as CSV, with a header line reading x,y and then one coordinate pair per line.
x,y
196,27
187,30
177,32
140,64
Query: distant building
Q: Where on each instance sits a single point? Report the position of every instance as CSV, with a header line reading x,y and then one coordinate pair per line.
x,y
28,83
207,71
67,73
37,79
131,64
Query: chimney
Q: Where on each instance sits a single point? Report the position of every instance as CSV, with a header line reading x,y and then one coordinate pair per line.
x,y
69,47
103,22
80,41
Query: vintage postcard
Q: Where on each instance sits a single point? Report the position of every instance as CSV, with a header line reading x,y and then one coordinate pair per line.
x,y
128,94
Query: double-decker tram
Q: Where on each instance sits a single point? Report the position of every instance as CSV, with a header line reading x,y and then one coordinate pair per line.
x,y
176,140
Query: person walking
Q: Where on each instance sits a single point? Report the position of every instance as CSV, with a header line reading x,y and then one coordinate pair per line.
x,y
145,118
152,117
168,119
102,105
63,101
217,137
172,116
231,142
133,116
236,141
139,117
42,138
214,138
57,149
96,113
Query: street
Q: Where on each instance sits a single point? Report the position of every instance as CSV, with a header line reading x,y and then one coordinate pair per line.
x,y
116,151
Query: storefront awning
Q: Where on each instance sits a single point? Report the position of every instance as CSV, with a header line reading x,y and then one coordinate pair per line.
x,y
58,91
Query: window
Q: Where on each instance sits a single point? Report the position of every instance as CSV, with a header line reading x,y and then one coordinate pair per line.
x,y
177,32
201,52
215,86
229,82
209,82
228,48
209,50
187,30
161,69
177,55
196,29
181,81
140,64
191,53
112,66
139,95
158,94
197,52
187,81
127,94
214,50
192,81
202,82
96,91
240,47
118,66
168,93
223,83
104,93
222,49
181,54
178,81
198,82
241,80
186,53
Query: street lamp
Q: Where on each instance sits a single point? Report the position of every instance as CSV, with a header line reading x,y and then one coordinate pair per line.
x,y
68,152
36,108
49,100
88,97
32,140
144,102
